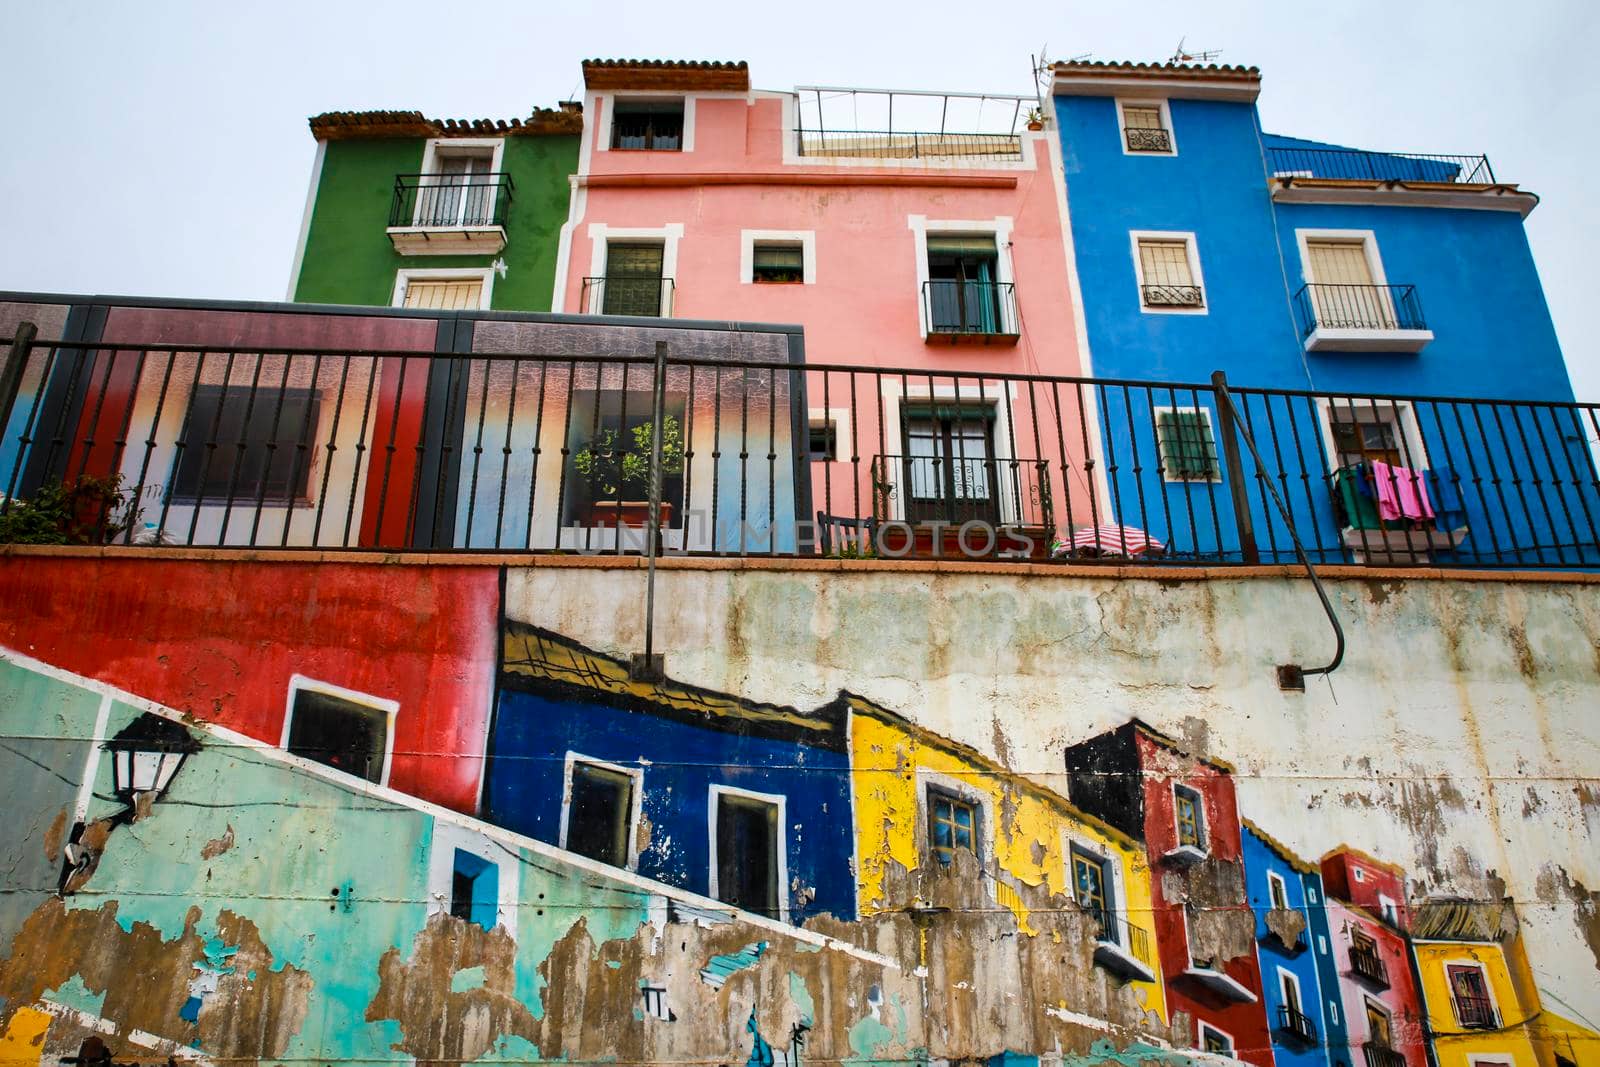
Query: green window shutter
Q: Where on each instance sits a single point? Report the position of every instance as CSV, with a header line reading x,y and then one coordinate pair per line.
x,y
779,257
974,245
1188,450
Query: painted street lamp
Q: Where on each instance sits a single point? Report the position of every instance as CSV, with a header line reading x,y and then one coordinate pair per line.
x,y
146,754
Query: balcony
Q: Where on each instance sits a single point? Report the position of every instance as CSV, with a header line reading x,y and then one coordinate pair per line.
x,y
1123,949
908,144
1361,318
647,297
1344,164
1476,1012
1148,139
969,312
1366,963
449,214
1381,1055
937,495
1172,296
1209,975
1296,1025
845,125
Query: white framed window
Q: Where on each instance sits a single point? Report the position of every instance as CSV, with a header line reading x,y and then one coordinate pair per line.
x,y
828,433
472,877
1146,128
1311,894
1215,1041
1189,817
749,854
458,187
1187,444
600,808
954,817
1471,995
1380,1023
1346,283
1358,874
1096,881
649,124
965,280
1166,270
341,728
1277,891
1322,944
777,256
444,288
645,260
1388,909
1289,989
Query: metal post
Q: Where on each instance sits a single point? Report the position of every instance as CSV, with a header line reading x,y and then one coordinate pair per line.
x,y
651,666
16,362
1228,429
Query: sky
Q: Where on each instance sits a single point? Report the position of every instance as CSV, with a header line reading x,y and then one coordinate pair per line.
x,y
161,149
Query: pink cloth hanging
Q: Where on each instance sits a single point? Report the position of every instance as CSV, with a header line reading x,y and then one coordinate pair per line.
x,y
1401,491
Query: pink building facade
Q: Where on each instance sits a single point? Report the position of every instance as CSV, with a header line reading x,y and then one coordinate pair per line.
x,y
941,252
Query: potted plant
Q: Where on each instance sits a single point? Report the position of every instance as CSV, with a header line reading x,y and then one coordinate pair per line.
x,y
1035,119
616,466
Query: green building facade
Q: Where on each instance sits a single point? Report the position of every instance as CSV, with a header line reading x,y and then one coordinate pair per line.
x,y
405,209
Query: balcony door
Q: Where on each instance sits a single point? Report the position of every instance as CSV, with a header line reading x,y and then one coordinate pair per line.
x,y
950,471
633,279
1344,293
458,193
963,296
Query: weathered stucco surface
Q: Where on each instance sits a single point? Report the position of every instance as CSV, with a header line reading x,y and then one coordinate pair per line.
x,y
1457,739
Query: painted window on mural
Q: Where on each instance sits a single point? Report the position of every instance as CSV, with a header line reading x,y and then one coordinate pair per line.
x,y
652,125
244,443
1091,885
1470,992
747,853
1215,1041
778,263
474,889
1190,817
599,813
340,733
1188,447
952,825
1277,891
608,458
1380,1030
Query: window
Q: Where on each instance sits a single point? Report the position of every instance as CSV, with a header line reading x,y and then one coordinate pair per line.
x,y
1470,992
459,191
1380,1028
256,432
1169,275
747,857
1091,885
1389,910
1358,874
823,436
339,732
963,293
1215,1041
949,464
655,125
1187,445
1146,128
776,263
1190,814
599,812
474,889
1277,891
633,282
1294,1017
952,825
1345,293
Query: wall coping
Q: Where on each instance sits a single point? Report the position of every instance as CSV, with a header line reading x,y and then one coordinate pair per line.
x,y
1131,571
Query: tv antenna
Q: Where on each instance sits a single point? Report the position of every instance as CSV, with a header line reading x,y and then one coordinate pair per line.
x,y
1180,55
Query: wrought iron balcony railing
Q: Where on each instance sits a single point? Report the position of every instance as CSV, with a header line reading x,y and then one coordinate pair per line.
x,y
908,144
1369,965
953,308
621,294
1378,1054
1297,1024
462,201
958,488
1172,296
1352,165
1476,1012
1359,307
1148,139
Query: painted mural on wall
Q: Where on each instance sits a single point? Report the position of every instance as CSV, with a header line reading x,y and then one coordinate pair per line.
x,y
594,867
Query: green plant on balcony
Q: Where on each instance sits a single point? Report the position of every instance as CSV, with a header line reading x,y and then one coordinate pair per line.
x,y
88,511
615,461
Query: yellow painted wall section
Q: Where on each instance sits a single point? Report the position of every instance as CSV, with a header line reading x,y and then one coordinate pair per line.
x,y
1026,829
23,1040
1455,1045
1556,1035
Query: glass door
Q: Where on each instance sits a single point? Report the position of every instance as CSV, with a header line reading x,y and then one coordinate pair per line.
x,y
950,468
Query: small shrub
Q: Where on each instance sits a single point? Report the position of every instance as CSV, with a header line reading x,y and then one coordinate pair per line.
x,y
89,511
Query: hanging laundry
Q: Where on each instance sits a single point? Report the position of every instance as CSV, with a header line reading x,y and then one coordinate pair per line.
x,y
1402,493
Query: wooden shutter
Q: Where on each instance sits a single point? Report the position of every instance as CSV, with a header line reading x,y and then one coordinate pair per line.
x,y
1141,118
1165,262
446,294
1339,262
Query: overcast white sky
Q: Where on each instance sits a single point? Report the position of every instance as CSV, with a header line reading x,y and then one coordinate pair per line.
x,y
161,148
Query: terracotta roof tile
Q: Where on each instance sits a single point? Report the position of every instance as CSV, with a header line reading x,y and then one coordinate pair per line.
x,y
1163,70
350,125
672,74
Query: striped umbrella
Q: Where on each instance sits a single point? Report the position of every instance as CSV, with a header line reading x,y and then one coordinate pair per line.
x,y
1112,539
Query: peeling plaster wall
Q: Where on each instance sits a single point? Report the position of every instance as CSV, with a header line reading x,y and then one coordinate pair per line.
x,y
1457,740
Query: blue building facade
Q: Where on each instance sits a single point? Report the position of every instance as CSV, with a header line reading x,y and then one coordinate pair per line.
x,y
1338,290
747,803
1298,977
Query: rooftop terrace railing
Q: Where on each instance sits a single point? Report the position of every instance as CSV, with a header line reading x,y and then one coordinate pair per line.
x,y
161,443
1352,165
908,144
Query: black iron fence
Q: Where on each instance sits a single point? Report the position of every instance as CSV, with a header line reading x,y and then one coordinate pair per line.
x,y
1380,1055
624,294
1147,139
1296,1024
451,200
1352,165
362,449
1358,307
1476,1012
1368,964
1172,296
956,307
908,144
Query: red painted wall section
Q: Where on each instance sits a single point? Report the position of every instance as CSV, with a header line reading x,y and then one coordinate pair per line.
x,y
1366,882
1162,767
221,640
